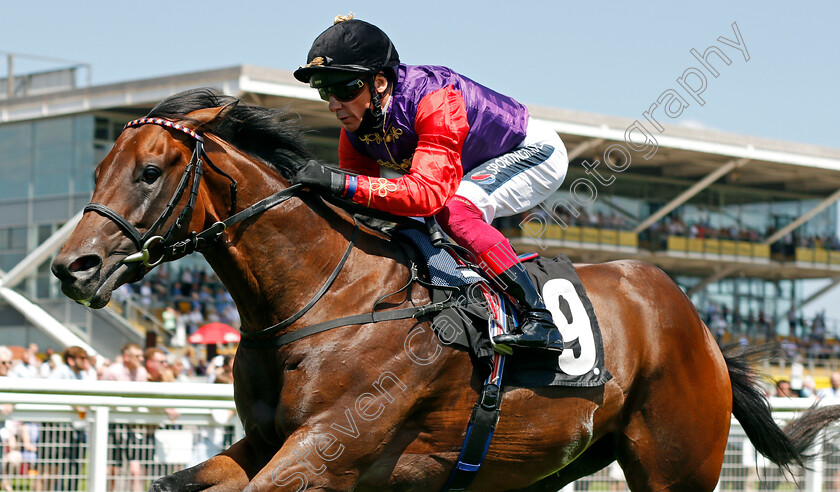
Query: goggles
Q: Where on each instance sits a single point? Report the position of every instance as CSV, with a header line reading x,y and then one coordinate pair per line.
x,y
343,92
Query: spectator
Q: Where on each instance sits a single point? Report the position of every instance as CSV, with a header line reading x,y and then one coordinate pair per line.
x,y
123,294
130,369
194,319
170,319
28,367
190,361
791,318
5,365
834,390
146,295
176,364
224,374
186,283
230,316
159,371
783,389
29,433
809,387
52,364
157,367
213,367
9,454
76,366
123,440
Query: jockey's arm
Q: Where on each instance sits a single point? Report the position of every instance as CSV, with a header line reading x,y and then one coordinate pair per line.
x,y
349,159
441,125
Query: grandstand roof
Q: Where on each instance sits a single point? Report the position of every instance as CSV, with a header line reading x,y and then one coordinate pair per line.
x,y
684,155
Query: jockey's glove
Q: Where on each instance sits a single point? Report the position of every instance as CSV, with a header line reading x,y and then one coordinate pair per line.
x,y
317,175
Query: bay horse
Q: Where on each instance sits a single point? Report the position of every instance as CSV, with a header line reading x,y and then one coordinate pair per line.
x,y
352,408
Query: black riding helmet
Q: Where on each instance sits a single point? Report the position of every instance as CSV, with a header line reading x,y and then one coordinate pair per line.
x,y
346,50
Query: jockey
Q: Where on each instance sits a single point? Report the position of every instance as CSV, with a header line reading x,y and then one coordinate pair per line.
x,y
467,154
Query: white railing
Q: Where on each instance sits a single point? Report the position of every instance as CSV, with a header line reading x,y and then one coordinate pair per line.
x,y
113,436
106,435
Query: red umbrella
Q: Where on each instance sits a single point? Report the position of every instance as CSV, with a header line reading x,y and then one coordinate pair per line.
x,y
214,333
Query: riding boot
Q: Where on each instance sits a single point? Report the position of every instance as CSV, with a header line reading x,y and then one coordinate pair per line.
x,y
536,328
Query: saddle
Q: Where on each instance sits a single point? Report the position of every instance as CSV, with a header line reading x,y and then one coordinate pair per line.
x,y
467,326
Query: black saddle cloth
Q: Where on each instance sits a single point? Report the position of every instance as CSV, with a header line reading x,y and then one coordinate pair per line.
x,y
466,327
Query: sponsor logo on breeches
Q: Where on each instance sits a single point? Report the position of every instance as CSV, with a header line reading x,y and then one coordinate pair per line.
x,y
508,165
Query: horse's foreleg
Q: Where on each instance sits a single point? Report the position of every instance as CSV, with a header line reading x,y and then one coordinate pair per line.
x,y
312,460
228,471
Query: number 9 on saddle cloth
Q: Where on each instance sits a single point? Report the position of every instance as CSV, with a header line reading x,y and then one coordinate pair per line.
x,y
466,327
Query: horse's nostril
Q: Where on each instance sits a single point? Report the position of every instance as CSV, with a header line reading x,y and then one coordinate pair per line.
x,y
84,263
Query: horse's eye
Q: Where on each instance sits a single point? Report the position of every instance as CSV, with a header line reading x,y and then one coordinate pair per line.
x,y
150,174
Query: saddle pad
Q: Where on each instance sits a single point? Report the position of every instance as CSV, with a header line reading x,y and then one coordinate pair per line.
x,y
443,270
580,365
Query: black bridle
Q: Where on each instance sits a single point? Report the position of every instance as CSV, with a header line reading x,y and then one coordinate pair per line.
x,y
164,243
197,241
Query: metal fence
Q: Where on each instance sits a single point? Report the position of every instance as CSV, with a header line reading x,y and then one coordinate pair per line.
x,y
104,435
108,436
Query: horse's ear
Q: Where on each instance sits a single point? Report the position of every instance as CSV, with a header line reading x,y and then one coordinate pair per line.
x,y
205,119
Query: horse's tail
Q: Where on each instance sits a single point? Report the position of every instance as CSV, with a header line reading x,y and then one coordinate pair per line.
x,y
784,447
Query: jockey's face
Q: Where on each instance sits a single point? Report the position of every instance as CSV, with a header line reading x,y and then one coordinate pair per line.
x,y
350,113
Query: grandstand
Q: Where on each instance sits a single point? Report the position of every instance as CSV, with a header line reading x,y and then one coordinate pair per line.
x,y
742,223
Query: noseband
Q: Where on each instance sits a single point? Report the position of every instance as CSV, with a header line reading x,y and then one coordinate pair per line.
x,y
196,241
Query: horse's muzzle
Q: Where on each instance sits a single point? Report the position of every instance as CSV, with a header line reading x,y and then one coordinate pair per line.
x,y
80,276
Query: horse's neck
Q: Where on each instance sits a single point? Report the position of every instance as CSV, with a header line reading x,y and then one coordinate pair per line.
x,y
275,263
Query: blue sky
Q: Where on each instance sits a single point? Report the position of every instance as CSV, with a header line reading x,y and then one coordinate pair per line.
x,y
612,58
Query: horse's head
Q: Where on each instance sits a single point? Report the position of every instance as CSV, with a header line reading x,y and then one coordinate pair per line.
x,y
146,194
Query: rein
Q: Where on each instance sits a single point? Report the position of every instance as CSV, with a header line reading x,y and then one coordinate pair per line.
x,y
197,241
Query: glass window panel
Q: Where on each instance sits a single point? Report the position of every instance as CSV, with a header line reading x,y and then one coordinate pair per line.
x,y
83,128
15,137
51,168
5,234
53,132
15,169
9,260
116,129
43,287
99,153
17,239
44,232
83,167
100,131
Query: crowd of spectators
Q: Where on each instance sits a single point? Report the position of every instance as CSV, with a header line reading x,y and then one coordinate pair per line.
x,y
181,300
809,338
674,225
656,236
20,452
568,217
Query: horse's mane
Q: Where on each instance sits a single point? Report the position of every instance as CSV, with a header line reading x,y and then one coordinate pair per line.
x,y
266,133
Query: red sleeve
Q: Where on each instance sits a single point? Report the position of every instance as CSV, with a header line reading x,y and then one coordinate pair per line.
x,y
441,125
351,160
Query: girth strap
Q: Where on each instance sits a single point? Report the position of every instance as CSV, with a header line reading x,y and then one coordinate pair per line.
x,y
358,319
480,430
485,414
